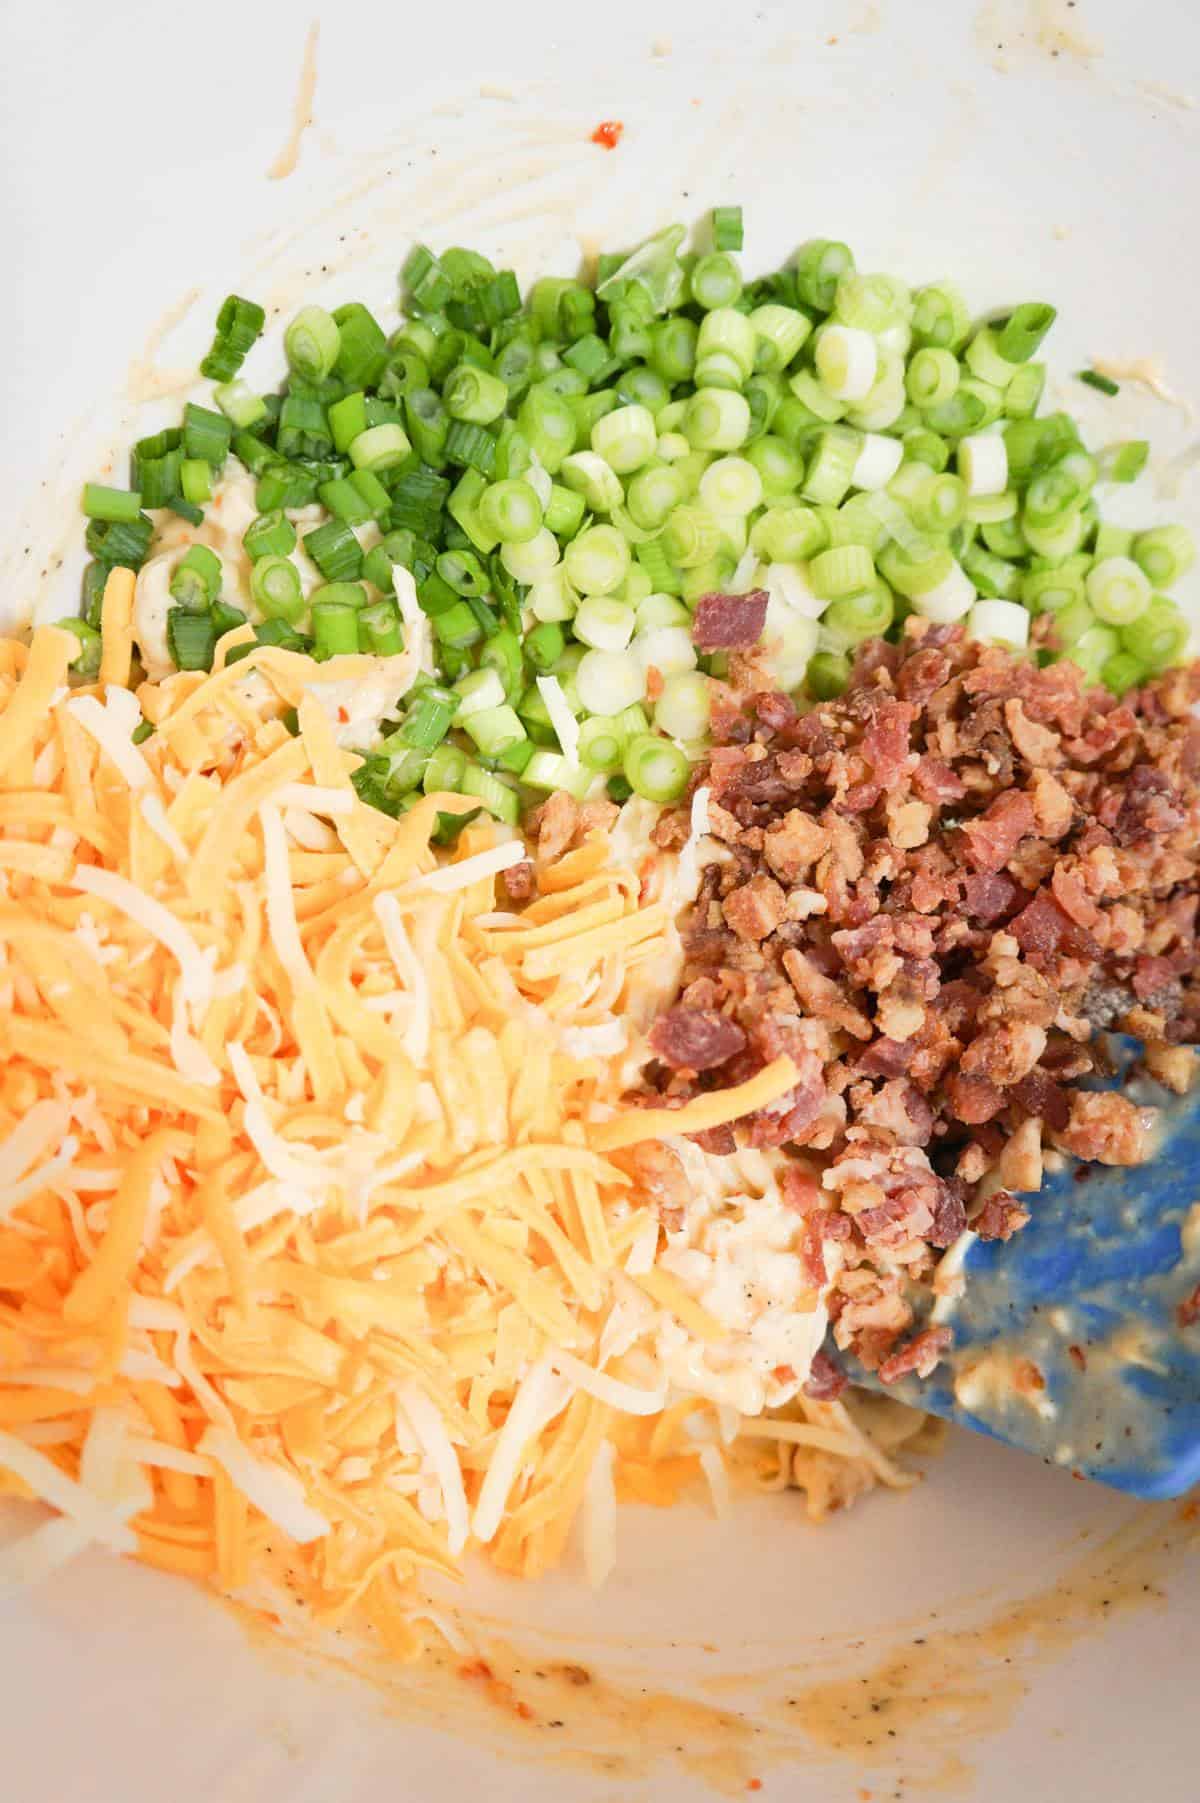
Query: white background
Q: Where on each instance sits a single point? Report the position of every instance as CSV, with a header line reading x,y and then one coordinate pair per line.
x,y
133,146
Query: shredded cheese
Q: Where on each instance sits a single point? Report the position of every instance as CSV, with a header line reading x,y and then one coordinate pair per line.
x,y
566,727
313,1255
300,1226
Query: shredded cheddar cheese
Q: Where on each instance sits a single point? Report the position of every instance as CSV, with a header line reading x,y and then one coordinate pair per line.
x,y
307,1218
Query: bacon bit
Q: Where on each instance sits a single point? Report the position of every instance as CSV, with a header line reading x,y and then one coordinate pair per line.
x,y
608,133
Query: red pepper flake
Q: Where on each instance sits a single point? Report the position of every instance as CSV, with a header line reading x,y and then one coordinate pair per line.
x,y
475,1668
525,1712
754,1784
608,133
343,715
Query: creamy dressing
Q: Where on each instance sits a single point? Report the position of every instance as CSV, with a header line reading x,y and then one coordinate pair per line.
x,y
358,705
737,1252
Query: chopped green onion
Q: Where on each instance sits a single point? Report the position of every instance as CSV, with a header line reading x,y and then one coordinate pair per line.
x,y
605,624
827,675
311,344
932,377
601,744
86,662
715,281
335,551
690,537
445,770
334,628
1117,590
511,512
940,318
625,438
120,543
1064,485
196,580
819,267
844,571
683,707
1123,462
597,560
673,349
270,535
499,800
544,644
379,630
986,361
994,577
588,474
1094,379
851,619
717,419
1022,332
95,576
206,435
239,324
226,618
474,395
1165,553
275,588
642,386
727,229
362,346
494,730
195,481
564,511
549,425
1024,392
609,681
1158,637
731,485
781,333
655,769
110,504
380,448
240,405
191,639
831,470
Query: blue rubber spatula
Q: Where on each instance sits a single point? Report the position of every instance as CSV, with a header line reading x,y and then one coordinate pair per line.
x,y
1099,1297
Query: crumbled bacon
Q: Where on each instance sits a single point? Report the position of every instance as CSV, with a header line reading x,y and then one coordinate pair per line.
x,y
697,1039
1000,1217
729,622
919,1356
518,881
826,1380
932,892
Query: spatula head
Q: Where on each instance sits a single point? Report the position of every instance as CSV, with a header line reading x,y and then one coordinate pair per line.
x,y
1079,1339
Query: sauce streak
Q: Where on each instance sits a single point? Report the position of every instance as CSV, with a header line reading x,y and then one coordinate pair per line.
x,y
914,1707
302,108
